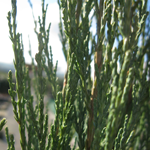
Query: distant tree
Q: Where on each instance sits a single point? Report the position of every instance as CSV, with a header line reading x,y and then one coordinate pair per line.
x,y
4,86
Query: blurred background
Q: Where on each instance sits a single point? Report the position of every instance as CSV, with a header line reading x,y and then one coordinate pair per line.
x,y
25,25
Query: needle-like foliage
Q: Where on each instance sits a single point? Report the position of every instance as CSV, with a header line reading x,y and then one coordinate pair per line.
x,y
109,111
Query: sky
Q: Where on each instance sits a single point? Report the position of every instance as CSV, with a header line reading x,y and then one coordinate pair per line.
x,y
25,25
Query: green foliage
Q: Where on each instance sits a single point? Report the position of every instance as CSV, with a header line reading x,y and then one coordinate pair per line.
x,y
2,123
110,111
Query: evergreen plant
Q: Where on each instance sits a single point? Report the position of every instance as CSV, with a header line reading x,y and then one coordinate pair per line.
x,y
110,111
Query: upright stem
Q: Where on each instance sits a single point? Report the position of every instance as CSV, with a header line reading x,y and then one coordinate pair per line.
x,y
98,61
